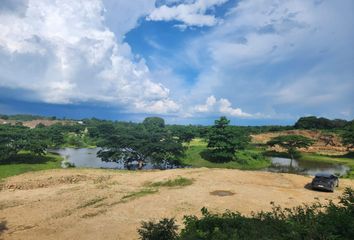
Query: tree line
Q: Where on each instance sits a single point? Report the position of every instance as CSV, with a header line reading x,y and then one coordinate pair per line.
x,y
149,141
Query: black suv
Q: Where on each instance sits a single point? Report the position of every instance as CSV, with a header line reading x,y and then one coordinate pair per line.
x,y
325,181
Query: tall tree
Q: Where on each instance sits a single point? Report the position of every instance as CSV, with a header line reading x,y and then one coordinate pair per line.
x,y
16,138
291,143
223,140
149,141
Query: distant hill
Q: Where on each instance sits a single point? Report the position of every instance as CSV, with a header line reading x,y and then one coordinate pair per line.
x,y
313,122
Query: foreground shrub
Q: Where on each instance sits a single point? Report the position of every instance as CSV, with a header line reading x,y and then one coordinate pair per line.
x,y
165,229
315,221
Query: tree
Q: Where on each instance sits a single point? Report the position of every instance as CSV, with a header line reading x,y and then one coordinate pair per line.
x,y
348,136
149,141
291,143
16,138
223,141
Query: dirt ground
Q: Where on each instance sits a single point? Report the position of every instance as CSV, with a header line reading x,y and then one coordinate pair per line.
x,y
324,143
99,204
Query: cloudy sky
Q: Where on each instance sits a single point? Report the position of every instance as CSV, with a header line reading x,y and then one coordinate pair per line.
x,y
189,61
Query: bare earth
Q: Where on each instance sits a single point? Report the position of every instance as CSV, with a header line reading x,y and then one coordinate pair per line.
x,y
87,204
325,143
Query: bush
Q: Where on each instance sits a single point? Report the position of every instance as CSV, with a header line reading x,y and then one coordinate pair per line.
x,y
165,229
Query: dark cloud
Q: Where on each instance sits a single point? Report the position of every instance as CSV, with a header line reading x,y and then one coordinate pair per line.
x,y
13,6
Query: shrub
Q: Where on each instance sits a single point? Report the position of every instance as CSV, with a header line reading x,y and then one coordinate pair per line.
x,y
165,229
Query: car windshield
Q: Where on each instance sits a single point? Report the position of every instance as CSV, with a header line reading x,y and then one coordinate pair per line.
x,y
323,178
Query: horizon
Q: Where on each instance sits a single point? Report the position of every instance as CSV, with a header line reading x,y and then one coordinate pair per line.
x,y
206,122
187,61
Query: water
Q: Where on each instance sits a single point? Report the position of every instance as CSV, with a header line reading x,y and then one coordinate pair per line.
x,y
87,158
280,164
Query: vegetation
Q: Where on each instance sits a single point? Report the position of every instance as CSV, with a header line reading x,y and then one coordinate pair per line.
x,y
348,136
143,142
291,143
165,229
313,122
315,221
16,138
178,182
223,141
26,162
141,193
221,145
249,158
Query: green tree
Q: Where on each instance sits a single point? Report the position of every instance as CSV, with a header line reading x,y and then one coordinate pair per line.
x,y
291,143
348,136
16,138
154,123
149,141
224,140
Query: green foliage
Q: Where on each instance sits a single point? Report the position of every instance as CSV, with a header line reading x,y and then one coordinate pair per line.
x,y
149,141
165,229
16,138
348,136
178,182
291,143
224,140
26,162
313,122
246,159
315,221
153,123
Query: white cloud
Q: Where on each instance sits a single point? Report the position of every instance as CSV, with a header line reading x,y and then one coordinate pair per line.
x,y
292,57
189,13
221,106
63,52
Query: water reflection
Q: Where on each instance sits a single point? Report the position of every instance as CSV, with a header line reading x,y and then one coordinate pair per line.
x,y
280,164
87,158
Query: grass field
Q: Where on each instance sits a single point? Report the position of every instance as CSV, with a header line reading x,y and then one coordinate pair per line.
x,y
249,159
25,162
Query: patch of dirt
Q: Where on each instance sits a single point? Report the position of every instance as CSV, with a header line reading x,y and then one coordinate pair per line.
x,y
68,204
222,193
43,182
326,143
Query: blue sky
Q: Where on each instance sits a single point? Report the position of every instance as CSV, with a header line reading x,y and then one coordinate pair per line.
x,y
189,61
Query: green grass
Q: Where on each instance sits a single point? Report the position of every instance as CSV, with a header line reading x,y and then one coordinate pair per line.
x,y
250,159
26,162
141,193
178,182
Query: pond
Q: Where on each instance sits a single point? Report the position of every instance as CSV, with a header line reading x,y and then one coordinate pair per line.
x,y
87,158
280,164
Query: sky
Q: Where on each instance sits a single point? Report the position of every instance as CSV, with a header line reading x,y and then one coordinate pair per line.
x,y
258,62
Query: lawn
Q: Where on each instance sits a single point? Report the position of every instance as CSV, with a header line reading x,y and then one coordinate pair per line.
x,y
249,159
26,162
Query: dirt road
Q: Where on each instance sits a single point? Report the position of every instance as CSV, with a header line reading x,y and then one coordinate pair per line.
x,y
107,204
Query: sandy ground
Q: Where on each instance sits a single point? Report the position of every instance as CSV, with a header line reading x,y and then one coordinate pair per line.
x,y
87,204
325,143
